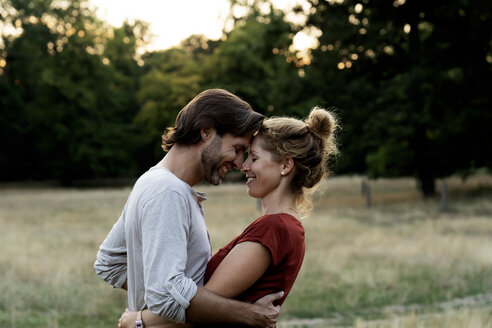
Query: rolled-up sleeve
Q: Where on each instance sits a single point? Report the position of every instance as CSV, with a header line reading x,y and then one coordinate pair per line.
x,y
111,261
165,229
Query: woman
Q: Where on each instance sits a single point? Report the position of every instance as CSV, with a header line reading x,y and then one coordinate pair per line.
x,y
286,161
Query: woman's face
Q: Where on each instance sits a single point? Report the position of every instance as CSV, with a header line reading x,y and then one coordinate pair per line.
x,y
261,170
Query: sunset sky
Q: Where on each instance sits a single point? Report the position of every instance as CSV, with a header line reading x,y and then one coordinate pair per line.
x,y
173,21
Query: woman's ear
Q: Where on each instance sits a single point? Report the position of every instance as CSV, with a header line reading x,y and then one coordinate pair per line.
x,y
207,134
287,165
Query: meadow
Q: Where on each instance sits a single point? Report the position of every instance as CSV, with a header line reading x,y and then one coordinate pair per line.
x,y
400,263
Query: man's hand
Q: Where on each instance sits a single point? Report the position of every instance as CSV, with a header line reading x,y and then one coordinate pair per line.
x,y
127,319
268,312
208,307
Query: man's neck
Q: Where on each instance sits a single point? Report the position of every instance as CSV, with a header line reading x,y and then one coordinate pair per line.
x,y
184,163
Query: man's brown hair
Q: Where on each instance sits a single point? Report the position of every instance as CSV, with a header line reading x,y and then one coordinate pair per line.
x,y
213,108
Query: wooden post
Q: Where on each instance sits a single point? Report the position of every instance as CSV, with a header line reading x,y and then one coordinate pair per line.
x,y
444,196
366,190
368,195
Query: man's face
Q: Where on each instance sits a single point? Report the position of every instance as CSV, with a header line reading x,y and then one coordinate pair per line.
x,y
222,155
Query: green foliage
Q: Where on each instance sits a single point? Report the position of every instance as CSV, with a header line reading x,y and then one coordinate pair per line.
x,y
255,62
251,62
172,78
410,81
418,80
70,105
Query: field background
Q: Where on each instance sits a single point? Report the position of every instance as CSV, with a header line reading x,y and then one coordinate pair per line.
x,y
401,263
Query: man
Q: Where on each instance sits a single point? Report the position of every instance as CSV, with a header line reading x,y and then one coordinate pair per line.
x,y
159,247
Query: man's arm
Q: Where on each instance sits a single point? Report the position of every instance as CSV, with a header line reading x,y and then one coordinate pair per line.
x,y
164,225
111,262
208,307
237,272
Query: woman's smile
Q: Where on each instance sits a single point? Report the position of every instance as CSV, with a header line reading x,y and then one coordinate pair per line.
x,y
260,167
250,180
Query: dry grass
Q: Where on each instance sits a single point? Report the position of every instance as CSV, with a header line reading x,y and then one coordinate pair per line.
x,y
464,317
49,241
393,265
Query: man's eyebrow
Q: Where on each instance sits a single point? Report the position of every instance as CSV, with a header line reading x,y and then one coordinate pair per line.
x,y
242,147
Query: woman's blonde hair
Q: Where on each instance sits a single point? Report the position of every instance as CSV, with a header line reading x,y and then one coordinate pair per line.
x,y
309,143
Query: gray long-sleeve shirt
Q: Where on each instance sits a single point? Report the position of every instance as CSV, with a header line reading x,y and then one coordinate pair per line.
x,y
160,245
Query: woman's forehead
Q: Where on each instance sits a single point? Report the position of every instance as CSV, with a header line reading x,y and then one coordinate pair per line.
x,y
257,144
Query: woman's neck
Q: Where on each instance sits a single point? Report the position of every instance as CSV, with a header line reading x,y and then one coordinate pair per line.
x,y
279,201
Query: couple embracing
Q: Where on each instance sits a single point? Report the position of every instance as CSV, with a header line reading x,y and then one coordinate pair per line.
x,y
159,249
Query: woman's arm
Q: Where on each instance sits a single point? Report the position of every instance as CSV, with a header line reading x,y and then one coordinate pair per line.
x,y
239,270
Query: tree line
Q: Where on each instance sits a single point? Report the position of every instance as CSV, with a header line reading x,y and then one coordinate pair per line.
x,y
410,81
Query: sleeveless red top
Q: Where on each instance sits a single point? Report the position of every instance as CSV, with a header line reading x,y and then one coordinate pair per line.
x,y
283,235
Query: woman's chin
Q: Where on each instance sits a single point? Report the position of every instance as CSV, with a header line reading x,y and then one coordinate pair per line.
x,y
253,194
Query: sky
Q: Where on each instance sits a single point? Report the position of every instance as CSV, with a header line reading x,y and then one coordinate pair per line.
x,y
174,20
170,20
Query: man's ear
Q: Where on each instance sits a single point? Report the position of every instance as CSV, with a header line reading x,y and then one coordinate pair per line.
x,y
207,134
287,165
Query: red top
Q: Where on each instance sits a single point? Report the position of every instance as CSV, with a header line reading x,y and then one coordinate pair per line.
x,y
283,235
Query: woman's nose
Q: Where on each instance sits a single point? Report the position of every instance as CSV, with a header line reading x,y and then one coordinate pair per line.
x,y
245,166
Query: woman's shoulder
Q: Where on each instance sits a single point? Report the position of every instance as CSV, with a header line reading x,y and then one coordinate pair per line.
x,y
278,221
280,218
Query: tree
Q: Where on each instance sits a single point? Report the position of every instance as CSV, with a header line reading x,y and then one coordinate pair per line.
x,y
254,61
415,76
70,102
171,79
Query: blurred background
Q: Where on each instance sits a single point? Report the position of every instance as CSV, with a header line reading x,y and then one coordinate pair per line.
x,y
399,237
83,99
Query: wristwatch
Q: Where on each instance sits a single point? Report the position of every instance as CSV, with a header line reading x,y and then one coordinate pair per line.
x,y
139,322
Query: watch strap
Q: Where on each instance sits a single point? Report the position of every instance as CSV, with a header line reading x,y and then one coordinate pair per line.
x,y
139,322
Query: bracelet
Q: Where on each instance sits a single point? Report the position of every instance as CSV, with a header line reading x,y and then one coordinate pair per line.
x,y
139,322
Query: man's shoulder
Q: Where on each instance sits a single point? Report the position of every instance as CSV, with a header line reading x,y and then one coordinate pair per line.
x,y
157,181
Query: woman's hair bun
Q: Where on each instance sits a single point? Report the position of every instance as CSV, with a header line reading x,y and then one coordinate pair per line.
x,y
321,123
309,143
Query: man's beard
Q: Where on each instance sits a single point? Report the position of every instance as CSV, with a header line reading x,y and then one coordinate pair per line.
x,y
210,162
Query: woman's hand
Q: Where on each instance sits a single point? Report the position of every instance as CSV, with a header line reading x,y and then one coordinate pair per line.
x,y
127,319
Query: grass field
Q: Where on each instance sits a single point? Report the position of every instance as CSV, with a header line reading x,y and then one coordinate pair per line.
x,y
401,263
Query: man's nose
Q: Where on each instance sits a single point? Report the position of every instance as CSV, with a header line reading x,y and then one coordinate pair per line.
x,y
239,161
